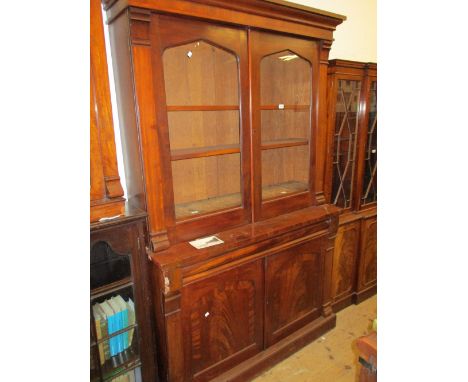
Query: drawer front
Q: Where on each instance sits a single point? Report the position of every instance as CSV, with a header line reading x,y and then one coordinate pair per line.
x,y
222,320
293,289
345,260
368,261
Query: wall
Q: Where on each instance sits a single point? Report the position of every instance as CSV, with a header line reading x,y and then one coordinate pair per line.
x,y
355,38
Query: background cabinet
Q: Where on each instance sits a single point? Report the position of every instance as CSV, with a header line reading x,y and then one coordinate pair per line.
x,y
122,342
367,273
105,189
352,178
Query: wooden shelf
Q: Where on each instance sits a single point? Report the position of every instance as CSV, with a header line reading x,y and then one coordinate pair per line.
x,y
111,288
286,107
283,189
202,107
201,207
108,337
199,152
288,142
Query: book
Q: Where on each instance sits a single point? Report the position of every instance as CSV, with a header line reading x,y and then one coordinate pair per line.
x,y
138,375
111,326
131,376
118,321
124,310
104,332
98,317
131,319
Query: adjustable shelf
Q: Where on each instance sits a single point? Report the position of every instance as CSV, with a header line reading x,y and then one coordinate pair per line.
x,y
200,152
202,107
288,142
283,189
200,207
285,107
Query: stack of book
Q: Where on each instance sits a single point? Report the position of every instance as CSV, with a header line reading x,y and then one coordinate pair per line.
x,y
131,376
110,316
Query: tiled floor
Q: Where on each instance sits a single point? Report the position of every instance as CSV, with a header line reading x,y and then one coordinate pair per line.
x,y
331,358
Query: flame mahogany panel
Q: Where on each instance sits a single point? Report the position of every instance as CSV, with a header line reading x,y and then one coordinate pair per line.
x,y
293,283
222,320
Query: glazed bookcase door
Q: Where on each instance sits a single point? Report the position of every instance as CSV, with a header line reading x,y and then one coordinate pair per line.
x,y
347,117
369,185
283,95
120,324
204,74
114,328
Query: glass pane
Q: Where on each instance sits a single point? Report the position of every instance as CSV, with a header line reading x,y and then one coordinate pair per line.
x,y
95,374
285,98
214,184
202,94
345,140
107,266
285,171
132,375
285,78
200,74
369,190
115,325
189,129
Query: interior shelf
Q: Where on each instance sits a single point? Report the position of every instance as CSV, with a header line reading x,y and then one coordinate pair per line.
x,y
199,207
283,189
202,107
285,107
288,142
199,152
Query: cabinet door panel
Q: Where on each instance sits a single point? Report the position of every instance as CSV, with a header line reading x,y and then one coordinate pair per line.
x,y
293,289
368,261
203,125
344,260
222,320
284,94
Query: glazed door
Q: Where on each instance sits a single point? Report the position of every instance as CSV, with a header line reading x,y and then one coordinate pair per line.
x,y
345,114
222,320
204,125
369,182
284,98
293,289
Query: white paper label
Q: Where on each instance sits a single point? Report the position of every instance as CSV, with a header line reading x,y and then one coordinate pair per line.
x,y
281,106
206,242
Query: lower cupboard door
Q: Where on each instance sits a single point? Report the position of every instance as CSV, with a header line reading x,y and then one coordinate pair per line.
x,y
222,320
293,288
368,261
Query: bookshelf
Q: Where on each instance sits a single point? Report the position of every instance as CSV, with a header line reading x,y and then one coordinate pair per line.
x,y
121,338
352,178
223,112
